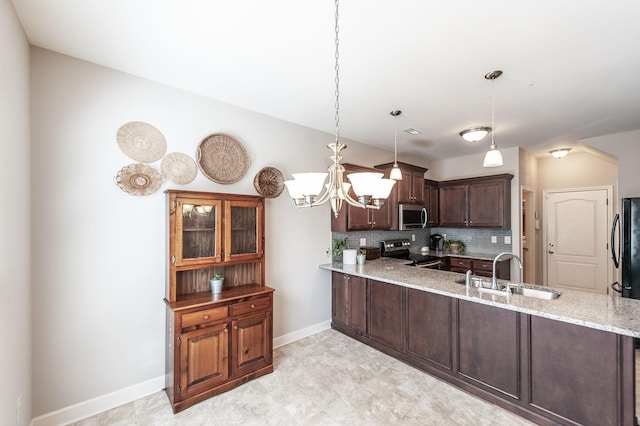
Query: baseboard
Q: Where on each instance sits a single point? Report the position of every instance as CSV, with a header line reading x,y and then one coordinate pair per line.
x,y
106,402
98,405
301,334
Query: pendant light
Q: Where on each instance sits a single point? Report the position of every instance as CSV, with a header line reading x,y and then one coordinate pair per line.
x,y
370,188
396,173
493,157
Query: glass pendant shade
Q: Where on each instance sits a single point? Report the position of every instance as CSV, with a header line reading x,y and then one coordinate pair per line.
x,y
365,183
311,183
493,157
383,188
396,173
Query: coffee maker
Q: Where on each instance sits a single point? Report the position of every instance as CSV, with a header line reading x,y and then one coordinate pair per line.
x,y
435,242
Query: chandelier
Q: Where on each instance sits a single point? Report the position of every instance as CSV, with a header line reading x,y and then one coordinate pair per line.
x,y
371,189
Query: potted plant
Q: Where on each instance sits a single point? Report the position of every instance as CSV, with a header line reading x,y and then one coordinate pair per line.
x,y
456,246
362,256
216,283
338,246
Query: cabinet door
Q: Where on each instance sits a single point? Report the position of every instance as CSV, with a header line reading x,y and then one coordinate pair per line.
x,y
417,187
244,234
381,219
488,348
385,313
486,204
251,343
348,298
453,205
429,333
204,359
198,231
431,198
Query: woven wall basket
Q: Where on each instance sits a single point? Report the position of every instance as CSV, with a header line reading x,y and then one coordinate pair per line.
x,y
141,141
178,168
222,159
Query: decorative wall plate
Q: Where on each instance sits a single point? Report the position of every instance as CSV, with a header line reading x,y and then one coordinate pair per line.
x,y
178,168
222,159
141,141
269,182
139,179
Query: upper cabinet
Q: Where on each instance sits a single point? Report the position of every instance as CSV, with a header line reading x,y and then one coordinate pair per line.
x,y
476,202
353,218
432,202
213,233
411,188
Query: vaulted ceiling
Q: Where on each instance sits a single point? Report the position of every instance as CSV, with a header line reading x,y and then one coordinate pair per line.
x,y
571,68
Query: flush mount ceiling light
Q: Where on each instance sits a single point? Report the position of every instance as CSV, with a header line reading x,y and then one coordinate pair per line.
x,y
560,152
370,188
493,157
396,173
475,134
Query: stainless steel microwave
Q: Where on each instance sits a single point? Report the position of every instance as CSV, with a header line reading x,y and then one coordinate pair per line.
x,y
411,216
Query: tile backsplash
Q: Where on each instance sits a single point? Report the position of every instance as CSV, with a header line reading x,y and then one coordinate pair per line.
x,y
476,239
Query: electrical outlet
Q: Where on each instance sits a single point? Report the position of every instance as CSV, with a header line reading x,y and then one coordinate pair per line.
x,y
494,239
363,242
444,237
19,414
413,237
507,239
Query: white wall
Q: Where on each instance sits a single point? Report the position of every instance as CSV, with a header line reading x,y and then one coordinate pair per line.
x,y
626,147
99,253
15,304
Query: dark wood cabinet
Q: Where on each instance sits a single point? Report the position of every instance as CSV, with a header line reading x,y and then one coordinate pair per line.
x,y
385,313
353,218
489,347
476,202
480,267
429,333
215,342
432,202
348,301
411,188
548,371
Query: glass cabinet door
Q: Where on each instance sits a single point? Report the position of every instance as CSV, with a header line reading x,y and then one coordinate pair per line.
x,y
199,231
244,228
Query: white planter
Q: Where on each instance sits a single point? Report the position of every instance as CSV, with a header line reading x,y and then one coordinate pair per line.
x,y
216,285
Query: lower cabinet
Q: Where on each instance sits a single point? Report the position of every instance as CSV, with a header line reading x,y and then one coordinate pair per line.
x,y
348,302
480,267
385,313
218,346
547,371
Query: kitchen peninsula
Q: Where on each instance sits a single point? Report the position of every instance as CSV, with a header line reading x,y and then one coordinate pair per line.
x,y
565,361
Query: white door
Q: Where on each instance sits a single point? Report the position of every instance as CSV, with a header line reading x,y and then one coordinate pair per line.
x,y
576,239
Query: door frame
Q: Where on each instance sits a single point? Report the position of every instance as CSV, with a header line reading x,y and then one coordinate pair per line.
x,y
545,192
530,229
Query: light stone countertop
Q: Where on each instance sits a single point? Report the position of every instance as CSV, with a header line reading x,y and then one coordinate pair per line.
x,y
603,312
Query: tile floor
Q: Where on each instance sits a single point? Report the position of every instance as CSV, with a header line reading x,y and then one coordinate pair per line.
x,y
325,379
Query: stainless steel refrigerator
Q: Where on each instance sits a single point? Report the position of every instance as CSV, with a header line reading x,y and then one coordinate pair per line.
x,y
625,247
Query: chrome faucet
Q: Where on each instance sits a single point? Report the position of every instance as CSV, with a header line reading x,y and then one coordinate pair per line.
x,y
494,280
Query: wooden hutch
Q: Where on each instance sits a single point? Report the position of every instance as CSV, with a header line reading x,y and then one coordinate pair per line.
x,y
215,342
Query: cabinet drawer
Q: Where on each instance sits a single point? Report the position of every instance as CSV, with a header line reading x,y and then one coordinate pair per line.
x,y
460,262
250,306
204,317
482,265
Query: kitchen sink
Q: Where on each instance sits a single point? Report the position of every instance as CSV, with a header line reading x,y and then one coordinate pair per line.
x,y
484,286
537,292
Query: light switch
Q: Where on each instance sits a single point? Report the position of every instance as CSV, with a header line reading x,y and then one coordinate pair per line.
x,y
507,239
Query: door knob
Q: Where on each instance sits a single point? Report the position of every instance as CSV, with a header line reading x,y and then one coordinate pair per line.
x,y
550,251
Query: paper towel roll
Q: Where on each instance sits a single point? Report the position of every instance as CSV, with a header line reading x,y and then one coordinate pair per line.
x,y
349,257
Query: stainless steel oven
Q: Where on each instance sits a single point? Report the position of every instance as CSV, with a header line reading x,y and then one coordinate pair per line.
x,y
411,216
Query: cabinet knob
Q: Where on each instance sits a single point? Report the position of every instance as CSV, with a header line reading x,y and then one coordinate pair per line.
x,y
235,327
206,317
226,330
253,306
